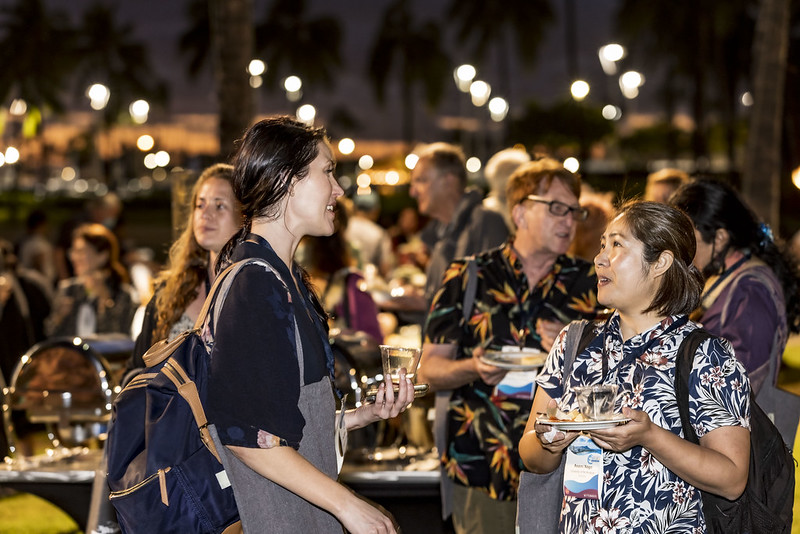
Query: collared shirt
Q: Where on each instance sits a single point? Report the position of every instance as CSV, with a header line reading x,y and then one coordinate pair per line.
x,y
484,430
473,229
640,495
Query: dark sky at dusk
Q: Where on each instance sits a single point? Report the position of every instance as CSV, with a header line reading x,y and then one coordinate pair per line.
x,y
161,22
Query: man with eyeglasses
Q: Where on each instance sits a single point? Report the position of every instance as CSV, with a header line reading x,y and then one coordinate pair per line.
x,y
522,294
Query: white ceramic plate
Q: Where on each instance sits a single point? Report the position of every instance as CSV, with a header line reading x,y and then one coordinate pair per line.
x,y
525,360
583,425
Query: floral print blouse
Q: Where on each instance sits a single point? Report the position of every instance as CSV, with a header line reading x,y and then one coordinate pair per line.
x,y
483,428
641,495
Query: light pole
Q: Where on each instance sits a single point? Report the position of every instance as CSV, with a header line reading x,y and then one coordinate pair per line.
x,y
579,90
256,68
498,111
293,86
630,82
139,110
610,55
463,76
306,113
98,95
480,92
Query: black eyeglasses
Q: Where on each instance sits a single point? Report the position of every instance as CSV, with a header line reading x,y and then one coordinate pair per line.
x,y
559,209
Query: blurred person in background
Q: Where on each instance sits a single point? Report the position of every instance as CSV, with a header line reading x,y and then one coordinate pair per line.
x,y
105,210
661,184
498,169
794,247
752,291
370,240
524,294
24,306
357,327
339,283
36,252
406,242
98,299
182,287
587,235
461,225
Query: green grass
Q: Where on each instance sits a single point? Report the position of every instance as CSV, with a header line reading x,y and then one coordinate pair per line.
x,y
23,513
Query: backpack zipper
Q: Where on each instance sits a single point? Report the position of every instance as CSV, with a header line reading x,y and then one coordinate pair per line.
x,y
160,474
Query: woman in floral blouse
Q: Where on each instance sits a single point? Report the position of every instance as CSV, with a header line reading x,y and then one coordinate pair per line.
x,y
651,475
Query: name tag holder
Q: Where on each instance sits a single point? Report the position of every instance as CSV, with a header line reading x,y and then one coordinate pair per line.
x,y
583,469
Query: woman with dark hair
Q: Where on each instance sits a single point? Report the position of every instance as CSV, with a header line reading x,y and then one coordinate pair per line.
x,y
270,398
649,475
751,295
98,299
182,287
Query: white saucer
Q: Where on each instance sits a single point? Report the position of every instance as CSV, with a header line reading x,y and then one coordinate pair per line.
x,y
573,426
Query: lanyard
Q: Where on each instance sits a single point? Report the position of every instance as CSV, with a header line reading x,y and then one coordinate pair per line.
x,y
725,275
637,352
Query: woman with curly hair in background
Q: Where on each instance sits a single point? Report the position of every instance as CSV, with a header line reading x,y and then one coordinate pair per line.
x,y
182,287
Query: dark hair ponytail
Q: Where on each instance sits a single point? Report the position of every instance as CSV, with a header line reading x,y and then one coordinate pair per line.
x,y
224,256
272,154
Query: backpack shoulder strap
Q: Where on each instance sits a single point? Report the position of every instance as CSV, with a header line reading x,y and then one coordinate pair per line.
x,y
471,290
216,297
163,349
579,335
684,362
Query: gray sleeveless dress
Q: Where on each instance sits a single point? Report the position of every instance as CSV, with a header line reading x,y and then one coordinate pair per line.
x,y
266,507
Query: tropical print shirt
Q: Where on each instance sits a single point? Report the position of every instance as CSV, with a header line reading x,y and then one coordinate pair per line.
x,y
640,495
484,428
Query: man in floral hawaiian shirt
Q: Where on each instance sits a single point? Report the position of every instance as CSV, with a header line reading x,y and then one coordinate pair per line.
x,y
524,293
460,225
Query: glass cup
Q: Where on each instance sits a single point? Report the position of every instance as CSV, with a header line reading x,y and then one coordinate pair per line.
x,y
396,358
597,402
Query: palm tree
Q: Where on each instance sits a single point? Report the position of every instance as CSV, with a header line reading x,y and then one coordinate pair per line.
x,y
232,49
196,40
714,47
109,53
416,52
292,43
761,180
36,55
508,27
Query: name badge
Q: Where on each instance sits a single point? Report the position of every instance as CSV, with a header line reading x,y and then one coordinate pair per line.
x,y
583,470
516,385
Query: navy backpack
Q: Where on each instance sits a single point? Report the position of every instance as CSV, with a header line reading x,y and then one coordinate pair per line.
x,y
164,471
765,507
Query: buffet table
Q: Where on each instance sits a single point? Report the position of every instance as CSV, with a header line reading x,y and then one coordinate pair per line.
x,y
403,481
406,483
64,478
